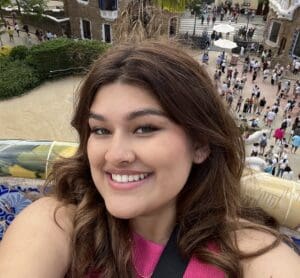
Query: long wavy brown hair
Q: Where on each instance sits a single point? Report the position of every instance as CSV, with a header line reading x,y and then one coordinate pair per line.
x,y
208,207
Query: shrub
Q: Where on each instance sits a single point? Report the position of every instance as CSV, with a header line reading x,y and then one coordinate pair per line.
x,y
19,52
16,78
64,56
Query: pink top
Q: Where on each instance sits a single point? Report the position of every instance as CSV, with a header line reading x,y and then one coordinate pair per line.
x,y
279,133
146,256
147,253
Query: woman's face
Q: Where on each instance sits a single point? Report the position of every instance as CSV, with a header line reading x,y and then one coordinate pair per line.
x,y
139,159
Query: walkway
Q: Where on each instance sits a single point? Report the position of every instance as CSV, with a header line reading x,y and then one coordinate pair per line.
x,y
187,25
22,39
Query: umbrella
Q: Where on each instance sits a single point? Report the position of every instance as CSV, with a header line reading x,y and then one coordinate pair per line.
x,y
226,44
223,28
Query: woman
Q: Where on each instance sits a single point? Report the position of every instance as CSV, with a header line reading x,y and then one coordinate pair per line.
x,y
158,150
279,134
263,143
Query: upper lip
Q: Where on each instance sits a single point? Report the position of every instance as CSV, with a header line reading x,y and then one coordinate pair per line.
x,y
125,172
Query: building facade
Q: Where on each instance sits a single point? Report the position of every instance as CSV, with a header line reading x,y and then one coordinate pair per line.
x,y
98,19
282,33
252,4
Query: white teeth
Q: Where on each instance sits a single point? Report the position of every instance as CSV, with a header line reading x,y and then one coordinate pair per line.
x,y
124,178
128,178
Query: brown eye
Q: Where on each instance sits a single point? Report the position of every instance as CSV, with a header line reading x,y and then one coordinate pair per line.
x,y
100,131
146,129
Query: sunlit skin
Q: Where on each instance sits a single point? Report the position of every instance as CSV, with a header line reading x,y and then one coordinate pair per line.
x,y
131,135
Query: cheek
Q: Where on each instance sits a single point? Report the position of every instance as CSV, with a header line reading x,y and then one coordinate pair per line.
x,y
95,152
174,152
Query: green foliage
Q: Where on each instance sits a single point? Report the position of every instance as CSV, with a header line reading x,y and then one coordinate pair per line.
x,y
195,6
4,3
37,6
64,55
19,52
171,5
16,78
26,68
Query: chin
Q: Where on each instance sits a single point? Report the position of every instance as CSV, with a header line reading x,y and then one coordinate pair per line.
x,y
121,212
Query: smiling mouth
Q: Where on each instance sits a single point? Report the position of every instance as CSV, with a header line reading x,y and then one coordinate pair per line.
x,y
129,178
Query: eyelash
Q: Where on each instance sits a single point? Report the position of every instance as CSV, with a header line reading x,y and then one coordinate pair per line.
x,y
149,128
144,129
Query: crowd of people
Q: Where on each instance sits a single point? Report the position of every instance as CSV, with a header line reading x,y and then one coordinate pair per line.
x,y
13,30
277,116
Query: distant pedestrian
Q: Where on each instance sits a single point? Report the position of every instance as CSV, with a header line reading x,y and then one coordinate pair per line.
x,y
202,19
254,76
270,117
262,104
239,104
295,143
278,87
223,66
254,150
214,19
242,52
279,134
26,29
208,19
266,74
262,143
17,29
10,33
39,35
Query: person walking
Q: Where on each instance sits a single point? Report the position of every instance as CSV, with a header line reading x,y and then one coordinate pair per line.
x,y
10,33
214,19
262,143
295,143
262,104
17,29
239,104
202,19
208,19
26,29
279,134
254,75
270,117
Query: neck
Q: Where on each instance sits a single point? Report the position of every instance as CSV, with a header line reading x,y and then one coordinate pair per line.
x,y
156,227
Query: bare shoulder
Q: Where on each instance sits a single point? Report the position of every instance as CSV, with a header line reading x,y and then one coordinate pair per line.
x,y
37,244
281,261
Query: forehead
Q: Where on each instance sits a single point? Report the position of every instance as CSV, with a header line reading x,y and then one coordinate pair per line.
x,y
123,97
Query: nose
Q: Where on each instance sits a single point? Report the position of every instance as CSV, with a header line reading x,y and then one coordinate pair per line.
x,y
120,151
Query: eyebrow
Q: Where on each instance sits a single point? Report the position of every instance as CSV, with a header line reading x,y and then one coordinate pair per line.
x,y
132,115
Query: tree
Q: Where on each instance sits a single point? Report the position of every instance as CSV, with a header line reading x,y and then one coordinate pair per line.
x,y
143,19
196,9
3,3
2,31
36,6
